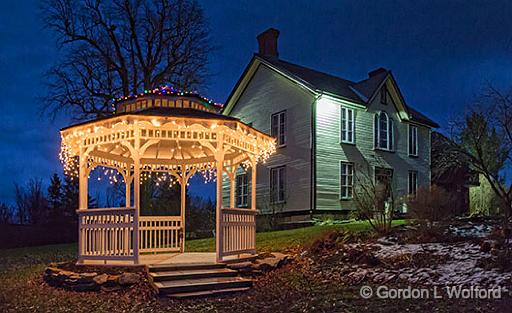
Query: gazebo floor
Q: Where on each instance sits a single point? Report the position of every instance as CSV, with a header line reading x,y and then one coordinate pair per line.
x,y
172,258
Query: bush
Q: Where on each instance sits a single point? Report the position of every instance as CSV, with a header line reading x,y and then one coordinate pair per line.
x,y
431,204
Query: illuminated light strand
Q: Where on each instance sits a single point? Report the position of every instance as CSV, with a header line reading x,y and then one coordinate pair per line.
x,y
167,91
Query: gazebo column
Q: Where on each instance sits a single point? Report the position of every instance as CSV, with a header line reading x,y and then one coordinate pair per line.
x,y
232,176
219,158
128,189
183,185
253,184
83,178
136,205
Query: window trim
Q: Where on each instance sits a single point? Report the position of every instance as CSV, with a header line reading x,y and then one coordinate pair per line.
x,y
409,129
347,130
240,196
276,168
278,134
351,186
390,132
412,193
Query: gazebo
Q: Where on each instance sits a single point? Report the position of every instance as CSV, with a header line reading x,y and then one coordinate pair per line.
x,y
163,131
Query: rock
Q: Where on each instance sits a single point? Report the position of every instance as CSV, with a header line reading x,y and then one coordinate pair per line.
x,y
242,266
112,280
101,279
128,279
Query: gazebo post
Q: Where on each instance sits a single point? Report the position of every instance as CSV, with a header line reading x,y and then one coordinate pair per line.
x,y
83,177
232,176
136,205
253,183
219,158
128,186
183,183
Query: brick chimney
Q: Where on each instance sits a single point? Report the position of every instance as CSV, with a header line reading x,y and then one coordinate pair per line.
x,y
267,42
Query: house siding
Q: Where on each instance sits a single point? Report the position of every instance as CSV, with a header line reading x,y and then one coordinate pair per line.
x,y
330,152
269,92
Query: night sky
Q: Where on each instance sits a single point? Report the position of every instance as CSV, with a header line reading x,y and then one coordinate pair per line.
x,y
441,52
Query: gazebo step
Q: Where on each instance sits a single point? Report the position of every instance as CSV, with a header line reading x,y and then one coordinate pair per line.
x,y
201,284
206,293
191,274
184,267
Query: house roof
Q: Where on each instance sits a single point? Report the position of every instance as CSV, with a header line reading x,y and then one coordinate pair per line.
x,y
360,92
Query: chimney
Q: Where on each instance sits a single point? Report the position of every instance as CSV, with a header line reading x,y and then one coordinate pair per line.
x,y
267,42
377,72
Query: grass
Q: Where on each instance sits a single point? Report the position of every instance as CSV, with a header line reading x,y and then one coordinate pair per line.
x,y
265,241
21,288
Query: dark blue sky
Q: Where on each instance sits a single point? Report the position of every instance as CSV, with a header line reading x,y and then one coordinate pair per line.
x,y
441,53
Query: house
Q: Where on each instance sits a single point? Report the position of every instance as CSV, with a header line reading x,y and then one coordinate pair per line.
x,y
327,130
452,171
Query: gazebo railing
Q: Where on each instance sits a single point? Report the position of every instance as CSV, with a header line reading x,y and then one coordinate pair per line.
x,y
106,234
238,231
160,233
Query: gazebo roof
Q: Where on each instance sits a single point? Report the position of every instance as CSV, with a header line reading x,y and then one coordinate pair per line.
x,y
164,132
161,112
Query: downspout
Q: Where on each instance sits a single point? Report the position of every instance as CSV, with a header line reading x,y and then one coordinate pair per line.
x,y
312,196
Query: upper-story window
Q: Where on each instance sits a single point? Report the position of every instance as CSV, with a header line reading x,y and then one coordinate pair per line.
x,y
383,131
347,125
241,190
413,140
278,127
384,95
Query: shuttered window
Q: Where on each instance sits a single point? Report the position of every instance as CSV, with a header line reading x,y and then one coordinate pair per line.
x,y
412,185
241,190
278,184
384,132
347,125
278,127
413,140
346,180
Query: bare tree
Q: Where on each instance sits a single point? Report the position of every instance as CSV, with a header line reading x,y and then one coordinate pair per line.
x,y
484,135
375,200
31,203
114,48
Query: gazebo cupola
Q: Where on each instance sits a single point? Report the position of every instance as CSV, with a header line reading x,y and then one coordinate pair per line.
x,y
165,131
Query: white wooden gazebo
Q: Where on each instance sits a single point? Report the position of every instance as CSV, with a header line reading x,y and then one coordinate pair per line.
x,y
163,131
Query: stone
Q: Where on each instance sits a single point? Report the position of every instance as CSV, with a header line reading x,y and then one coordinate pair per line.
x,y
128,279
267,264
101,279
242,266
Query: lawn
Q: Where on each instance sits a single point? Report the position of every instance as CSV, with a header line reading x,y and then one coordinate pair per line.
x,y
265,241
21,288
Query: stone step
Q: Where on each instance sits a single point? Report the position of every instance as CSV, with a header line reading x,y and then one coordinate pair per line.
x,y
184,267
206,293
191,274
201,284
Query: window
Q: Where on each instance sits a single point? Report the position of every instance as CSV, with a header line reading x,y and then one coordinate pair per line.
x,y
412,185
277,184
241,190
346,180
347,125
278,128
384,95
413,140
383,131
